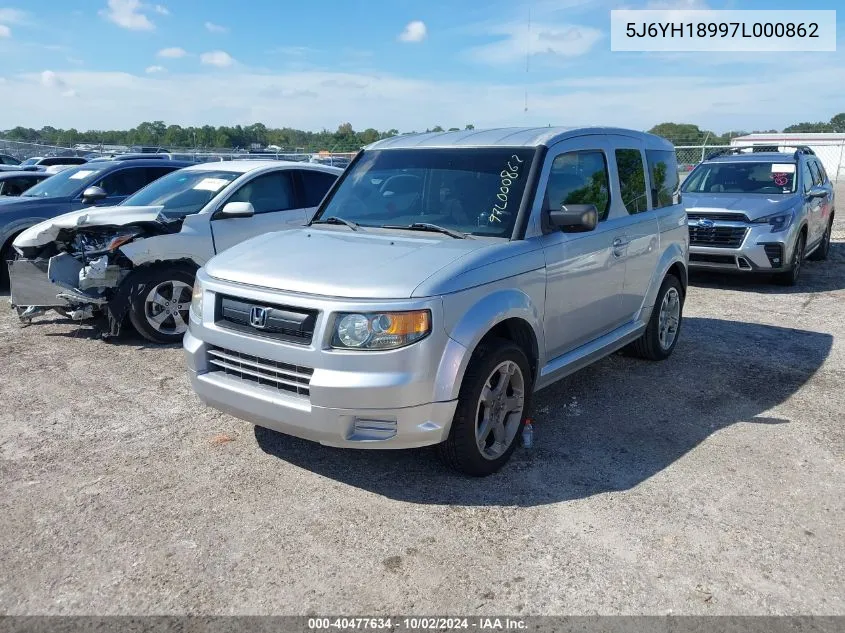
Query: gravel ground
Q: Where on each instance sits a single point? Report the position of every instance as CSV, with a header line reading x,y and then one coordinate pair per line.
x,y
709,484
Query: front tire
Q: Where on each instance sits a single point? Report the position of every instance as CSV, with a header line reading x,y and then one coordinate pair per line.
x,y
159,303
494,398
790,277
664,326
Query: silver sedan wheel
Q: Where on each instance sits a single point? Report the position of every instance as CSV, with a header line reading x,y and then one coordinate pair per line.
x,y
499,411
670,318
166,307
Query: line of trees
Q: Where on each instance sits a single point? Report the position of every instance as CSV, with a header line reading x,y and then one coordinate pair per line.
x,y
689,134
157,133
345,138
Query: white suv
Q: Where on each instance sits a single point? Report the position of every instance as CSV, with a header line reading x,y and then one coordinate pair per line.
x,y
139,259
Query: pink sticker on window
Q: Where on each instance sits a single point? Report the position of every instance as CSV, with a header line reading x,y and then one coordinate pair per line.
x,y
781,180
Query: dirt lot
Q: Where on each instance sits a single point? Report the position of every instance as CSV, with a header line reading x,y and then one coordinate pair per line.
x,y
712,483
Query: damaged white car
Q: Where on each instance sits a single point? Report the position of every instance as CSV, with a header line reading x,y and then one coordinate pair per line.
x,y
138,260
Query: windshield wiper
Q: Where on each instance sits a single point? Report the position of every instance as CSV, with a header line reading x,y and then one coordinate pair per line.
x,y
333,219
427,226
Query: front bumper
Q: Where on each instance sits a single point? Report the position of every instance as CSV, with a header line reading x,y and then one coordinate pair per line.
x,y
393,399
760,251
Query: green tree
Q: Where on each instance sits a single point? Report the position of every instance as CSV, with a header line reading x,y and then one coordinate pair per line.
x,y
837,122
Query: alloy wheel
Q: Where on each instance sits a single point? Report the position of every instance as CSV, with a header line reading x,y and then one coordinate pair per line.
x,y
166,307
499,411
669,319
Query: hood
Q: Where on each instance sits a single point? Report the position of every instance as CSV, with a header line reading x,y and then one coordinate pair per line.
x,y
332,263
16,203
753,205
47,231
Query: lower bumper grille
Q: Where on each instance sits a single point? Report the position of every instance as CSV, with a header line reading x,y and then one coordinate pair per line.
x,y
727,260
717,236
293,379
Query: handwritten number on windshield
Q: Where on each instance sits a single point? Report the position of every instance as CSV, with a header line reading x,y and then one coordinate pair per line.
x,y
508,176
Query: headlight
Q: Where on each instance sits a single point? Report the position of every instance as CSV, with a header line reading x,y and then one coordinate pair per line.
x,y
779,221
380,330
196,301
119,240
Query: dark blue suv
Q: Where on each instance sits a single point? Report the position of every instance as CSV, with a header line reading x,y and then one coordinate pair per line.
x,y
102,183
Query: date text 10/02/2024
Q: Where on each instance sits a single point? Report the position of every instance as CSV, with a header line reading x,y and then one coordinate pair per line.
x,y
417,624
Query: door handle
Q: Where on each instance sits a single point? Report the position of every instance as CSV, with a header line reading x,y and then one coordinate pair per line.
x,y
619,246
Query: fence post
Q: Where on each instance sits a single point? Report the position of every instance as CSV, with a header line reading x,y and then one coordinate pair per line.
x,y
839,166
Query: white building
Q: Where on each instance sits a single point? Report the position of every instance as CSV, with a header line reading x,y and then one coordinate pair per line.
x,y
828,147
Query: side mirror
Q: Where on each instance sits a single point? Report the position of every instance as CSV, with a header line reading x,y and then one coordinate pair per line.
x,y
237,210
574,218
817,192
92,195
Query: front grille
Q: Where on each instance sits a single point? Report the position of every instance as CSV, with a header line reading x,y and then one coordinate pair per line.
x,y
712,259
775,254
293,379
717,217
295,325
717,236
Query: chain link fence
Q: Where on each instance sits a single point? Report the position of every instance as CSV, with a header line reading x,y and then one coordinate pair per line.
x,y
831,154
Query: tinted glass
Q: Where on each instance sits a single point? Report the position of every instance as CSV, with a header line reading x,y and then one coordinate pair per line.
x,y
822,172
31,161
270,192
62,160
629,164
181,193
68,182
807,177
315,185
579,178
8,160
16,186
663,170
817,176
742,177
124,182
474,191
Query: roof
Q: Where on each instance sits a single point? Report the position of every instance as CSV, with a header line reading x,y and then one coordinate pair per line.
x,y
21,173
244,166
754,157
507,137
791,137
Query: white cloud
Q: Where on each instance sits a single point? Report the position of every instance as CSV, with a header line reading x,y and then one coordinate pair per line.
x,y
221,59
545,39
49,79
127,14
161,10
70,93
172,53
155,69
678,5
13,16
308,100
5,31
414,32
216,28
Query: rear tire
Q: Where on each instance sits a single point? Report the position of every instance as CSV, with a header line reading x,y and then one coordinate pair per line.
x,y
494,398
820,254
790,277
7,254
159,302
664,326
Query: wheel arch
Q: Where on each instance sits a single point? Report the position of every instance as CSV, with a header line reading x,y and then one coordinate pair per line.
x,y
508,314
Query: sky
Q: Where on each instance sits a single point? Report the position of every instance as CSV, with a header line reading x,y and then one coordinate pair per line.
x,y
404,64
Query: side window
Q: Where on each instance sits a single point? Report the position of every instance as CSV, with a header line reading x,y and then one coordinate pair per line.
x,y
16,186
315,185
822,171
270,192
807,176
629,164
579,178
817,175
124,182
663,170
154,173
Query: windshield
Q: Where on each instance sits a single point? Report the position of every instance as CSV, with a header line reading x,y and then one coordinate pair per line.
x,y
742,177
181,192
476,191
30,161
65,183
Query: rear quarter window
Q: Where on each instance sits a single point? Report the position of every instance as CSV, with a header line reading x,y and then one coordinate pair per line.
x,y
663,171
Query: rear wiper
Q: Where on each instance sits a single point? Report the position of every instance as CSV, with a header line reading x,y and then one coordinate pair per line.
x,y
427,226
333,219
